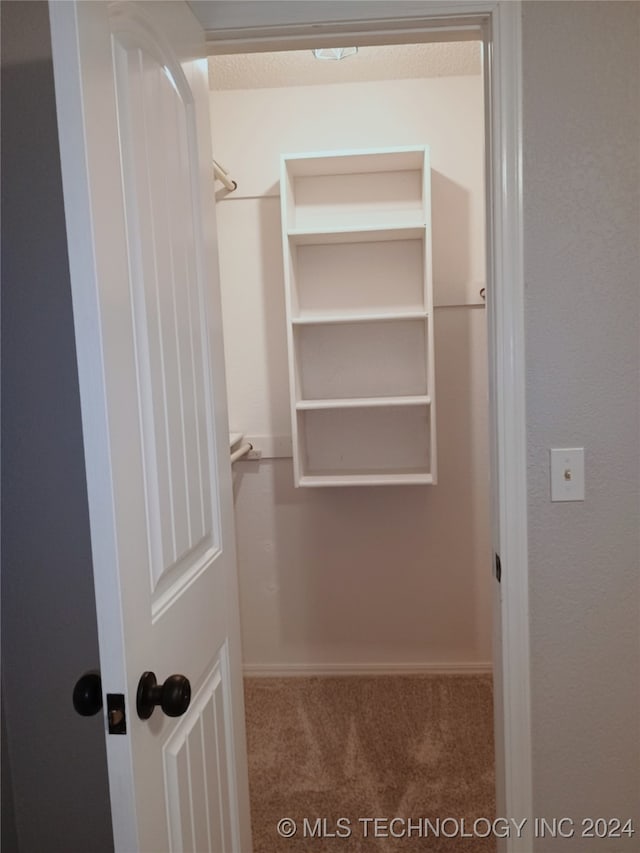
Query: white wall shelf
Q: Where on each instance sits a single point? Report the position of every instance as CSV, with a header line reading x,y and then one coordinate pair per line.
x,y
321,319
363,402
398,478
357,259
358,234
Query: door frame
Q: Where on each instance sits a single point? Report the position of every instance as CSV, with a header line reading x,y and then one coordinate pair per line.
x,y
498,23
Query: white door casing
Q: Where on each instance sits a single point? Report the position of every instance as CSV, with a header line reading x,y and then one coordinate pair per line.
x,y
132,102
498,24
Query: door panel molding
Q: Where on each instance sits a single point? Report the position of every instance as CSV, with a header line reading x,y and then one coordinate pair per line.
x,y
197,770
177,432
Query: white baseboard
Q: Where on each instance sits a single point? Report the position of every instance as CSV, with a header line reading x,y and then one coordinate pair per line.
x,y
285,670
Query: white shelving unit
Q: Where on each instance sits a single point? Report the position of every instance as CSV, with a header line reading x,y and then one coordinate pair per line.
x,y
357,262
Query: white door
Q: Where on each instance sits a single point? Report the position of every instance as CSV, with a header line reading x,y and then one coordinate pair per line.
x,y
132,98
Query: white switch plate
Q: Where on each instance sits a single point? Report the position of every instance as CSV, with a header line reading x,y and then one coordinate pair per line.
x,y
567,474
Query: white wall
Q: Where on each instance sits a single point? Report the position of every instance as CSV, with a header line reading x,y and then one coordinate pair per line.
x,y
372,576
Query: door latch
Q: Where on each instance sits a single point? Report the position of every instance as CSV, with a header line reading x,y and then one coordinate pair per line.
x,y
116,714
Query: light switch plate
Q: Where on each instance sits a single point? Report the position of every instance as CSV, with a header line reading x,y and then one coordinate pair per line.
x,y
567,474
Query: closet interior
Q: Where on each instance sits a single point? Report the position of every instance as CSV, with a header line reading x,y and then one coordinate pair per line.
x,y
351,239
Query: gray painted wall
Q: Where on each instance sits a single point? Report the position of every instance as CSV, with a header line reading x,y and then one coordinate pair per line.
x,y
49,634
9,839
581,67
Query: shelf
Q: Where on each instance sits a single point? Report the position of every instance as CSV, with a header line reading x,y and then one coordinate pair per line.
x,y
341,163
366,187
357,234
328,319
376,478
355,360
379,440
374,277
363,402
357,266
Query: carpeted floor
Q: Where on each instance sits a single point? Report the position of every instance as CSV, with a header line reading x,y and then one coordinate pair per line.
x,y
348,749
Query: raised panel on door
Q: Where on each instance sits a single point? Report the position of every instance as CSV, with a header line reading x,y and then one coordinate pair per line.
x,y
157,140
197,770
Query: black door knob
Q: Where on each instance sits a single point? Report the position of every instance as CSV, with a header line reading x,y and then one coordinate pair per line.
x,y
173,696
87,694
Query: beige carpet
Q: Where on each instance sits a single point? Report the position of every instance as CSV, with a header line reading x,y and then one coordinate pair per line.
x,y
353,748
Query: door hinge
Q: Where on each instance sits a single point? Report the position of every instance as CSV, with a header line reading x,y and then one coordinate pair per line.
x,y
498,567
116,714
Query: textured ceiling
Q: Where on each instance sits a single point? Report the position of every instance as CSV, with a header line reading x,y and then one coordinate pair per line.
x,y
386,62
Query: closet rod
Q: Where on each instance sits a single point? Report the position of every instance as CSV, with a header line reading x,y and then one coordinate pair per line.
x,y
223,176
241,451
